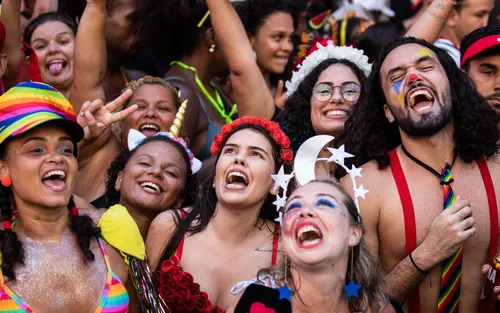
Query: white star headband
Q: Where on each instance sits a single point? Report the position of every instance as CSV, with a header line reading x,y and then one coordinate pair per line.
x,y
304,165
354,55
135,138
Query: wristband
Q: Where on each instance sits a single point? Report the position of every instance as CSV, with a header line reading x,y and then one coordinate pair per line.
x,y
418,268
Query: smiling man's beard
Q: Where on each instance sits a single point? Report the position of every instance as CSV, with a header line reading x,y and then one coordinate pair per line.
x,y
429,123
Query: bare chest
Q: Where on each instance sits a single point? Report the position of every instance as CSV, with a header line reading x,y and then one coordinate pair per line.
x,y
54,277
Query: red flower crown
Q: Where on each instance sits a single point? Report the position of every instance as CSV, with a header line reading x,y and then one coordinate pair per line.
x,y
272,128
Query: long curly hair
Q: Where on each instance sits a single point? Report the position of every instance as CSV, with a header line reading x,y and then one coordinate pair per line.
x,y
170,27
367,270
11,247
369,135
206,200
297,112
112,196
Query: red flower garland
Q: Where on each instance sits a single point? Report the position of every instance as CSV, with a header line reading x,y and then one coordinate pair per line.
x,y
272,128
179,291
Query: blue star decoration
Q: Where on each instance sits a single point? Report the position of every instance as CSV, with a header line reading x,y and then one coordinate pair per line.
x,y
351,290
285,292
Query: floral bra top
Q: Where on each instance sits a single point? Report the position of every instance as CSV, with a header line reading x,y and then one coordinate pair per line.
x,y
181,293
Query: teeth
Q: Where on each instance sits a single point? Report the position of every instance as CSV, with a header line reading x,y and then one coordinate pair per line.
x,y
424,92
308,228
239,175
423,108
336,113
149,126
59,173
154,186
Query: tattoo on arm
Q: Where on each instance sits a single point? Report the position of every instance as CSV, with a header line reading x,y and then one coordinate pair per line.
x,y
439,5
262,250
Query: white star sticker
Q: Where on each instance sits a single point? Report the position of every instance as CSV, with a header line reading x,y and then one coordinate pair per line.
x,y
338,155
355,172
280,202
281,178
360,192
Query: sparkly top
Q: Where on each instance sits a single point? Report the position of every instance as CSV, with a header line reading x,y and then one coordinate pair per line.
x,y
114,299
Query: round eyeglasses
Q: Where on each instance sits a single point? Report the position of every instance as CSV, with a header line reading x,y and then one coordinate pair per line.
x,y
324,91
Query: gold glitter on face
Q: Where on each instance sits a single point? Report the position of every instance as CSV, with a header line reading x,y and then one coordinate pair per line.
x,y
55,277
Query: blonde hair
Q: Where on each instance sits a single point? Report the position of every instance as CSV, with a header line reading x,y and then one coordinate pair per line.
x,y
367,270
134,85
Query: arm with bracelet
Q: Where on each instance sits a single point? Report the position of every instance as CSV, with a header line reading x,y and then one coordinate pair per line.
x,y
429,25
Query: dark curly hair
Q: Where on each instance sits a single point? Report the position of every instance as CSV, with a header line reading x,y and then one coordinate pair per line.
x,y
297,112
170,27
48,17
206,200
112,196
369,135
11,247
474,36
253,13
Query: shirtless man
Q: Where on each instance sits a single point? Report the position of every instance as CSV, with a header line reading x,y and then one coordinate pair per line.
x,y
418,98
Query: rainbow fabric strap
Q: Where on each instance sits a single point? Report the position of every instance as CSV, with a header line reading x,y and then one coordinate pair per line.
x,y
28,105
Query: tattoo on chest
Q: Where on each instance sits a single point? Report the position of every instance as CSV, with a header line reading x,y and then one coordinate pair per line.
x,y
262,250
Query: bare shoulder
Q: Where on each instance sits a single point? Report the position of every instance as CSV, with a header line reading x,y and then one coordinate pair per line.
x,y
161,230
86,208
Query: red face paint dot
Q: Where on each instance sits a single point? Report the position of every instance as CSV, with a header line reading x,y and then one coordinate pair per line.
x,y
413,76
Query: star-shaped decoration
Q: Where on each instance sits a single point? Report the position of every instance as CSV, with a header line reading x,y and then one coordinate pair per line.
x,y
285,292
351,290
279,219
360,192
281,178
280,202
338,155
355,172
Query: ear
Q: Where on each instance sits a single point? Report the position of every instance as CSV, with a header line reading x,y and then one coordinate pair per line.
x,y
4,169
274,189
118,181
453,19
355,235
3,64
252,40
210,37
178,204
388,114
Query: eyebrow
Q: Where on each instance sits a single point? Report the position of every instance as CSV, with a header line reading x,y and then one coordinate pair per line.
x,y
251,147
491,66
320,194
399,68
295,197
344,83
58,34
149,156
64,138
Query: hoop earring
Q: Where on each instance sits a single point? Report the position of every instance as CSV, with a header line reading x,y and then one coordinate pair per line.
x,y
6,181
211,49
351,290
285,291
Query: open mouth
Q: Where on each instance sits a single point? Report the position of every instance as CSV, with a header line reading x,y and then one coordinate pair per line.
x,y
150,187
336,114
55,180
236,180
420,99
56,66
308,235
149,129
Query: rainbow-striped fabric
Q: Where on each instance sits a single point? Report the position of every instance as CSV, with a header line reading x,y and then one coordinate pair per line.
x,y
115,298
29,104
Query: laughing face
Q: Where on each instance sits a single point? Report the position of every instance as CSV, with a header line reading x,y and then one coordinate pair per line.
x,y
316,227
244,169
328,116
156,111
417,90
53,43
42,167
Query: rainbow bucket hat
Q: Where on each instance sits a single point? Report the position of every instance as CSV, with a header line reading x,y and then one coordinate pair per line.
x,y
29,104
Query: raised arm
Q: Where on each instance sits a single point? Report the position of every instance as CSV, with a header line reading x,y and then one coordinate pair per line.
x,y
429,25
11,19
90,57
249,87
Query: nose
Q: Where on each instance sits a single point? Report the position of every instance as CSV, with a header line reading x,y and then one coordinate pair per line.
x,y
337,97
151,112
497,83
287,45
239,160
53,47
55,157
307,212
156,171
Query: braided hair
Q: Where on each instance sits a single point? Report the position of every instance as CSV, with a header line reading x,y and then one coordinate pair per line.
x,y
11,247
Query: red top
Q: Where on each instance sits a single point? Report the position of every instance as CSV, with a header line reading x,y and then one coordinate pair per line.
x,y
181,293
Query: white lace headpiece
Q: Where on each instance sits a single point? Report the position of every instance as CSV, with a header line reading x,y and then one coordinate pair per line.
x,y
354,55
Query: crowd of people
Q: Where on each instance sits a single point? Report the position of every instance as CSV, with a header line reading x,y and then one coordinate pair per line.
x,y
249,156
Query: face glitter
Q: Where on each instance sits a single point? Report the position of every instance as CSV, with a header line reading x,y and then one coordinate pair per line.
x,y
425,52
